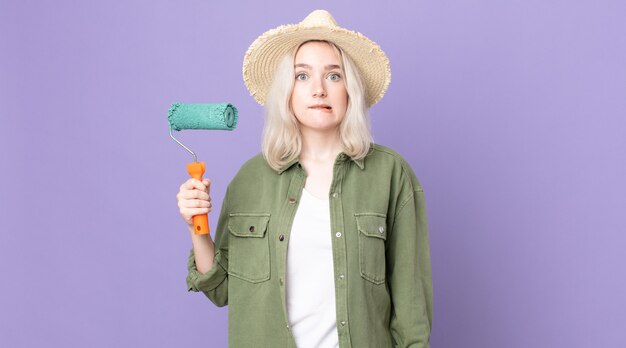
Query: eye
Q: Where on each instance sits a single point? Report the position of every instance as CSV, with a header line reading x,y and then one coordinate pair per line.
x,y
334,77
301,77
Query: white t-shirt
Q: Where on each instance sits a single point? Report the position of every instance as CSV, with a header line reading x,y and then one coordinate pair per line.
x,y
310,275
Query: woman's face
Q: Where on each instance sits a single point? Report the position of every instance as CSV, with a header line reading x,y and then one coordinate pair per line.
x,y
319,98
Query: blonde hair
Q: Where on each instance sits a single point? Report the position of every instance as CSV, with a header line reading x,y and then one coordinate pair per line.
x,y
282,140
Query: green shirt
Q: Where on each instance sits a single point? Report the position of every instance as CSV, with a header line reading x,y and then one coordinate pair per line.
x,y
381,258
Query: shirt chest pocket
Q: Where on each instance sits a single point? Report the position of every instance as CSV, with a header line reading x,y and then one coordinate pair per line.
x,y
372,230
248,247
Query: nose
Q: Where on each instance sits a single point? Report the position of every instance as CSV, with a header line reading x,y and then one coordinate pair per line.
x,y
319,90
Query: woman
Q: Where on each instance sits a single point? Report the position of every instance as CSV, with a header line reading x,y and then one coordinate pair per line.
x,y
322,239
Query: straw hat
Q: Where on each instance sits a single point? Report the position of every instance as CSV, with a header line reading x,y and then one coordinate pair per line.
x,y
263,56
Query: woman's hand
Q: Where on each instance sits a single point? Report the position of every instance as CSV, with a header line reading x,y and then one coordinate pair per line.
x,y
194,199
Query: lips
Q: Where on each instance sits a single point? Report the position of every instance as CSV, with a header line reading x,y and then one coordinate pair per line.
x,y
320,107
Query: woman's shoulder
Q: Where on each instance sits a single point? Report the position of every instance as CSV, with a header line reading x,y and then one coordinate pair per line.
x,y
387,157
253,169
254,163
385,151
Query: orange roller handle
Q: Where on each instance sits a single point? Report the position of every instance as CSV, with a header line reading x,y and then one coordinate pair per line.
x,y
201,221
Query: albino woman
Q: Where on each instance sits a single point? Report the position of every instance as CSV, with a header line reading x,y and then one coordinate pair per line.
x,y
322,239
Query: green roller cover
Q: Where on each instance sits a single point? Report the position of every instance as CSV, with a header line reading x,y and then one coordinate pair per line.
x,y
202,116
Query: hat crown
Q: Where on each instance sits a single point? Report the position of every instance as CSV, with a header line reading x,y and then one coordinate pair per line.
x,y
265,53
319,18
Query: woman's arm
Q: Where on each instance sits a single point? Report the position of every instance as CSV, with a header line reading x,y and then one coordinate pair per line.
x,y
409,272
208,261
203,249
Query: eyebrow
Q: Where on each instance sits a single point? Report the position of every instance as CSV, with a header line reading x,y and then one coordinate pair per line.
x,y
327,67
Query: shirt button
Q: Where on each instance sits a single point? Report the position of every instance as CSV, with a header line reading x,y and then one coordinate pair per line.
x,y
292,200
281,237
341,276
343,323
251,229
281,281
381,229
335,195
338,234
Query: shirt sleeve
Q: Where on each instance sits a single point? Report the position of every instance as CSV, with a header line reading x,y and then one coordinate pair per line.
x,y
409,271
213,283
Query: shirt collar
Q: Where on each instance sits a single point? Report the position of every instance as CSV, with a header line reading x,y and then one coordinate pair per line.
x,y
342,157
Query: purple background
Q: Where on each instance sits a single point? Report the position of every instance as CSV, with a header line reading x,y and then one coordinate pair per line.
x,y
512,114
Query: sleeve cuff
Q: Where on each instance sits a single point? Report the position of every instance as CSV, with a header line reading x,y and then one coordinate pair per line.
x,y
208,281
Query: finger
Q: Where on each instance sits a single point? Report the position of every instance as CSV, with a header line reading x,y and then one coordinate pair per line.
x,y
199,203
207,182
195,194
202,195
194,183
199,185
187,185
193,203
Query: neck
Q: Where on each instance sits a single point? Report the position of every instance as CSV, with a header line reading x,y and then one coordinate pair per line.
x,y
320,146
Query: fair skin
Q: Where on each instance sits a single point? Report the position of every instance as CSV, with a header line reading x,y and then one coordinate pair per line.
x,y
319,101
319,82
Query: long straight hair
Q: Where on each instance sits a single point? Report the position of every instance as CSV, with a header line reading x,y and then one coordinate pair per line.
x,y
282,140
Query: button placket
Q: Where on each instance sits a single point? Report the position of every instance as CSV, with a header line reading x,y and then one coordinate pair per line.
x,y
296,185
339,250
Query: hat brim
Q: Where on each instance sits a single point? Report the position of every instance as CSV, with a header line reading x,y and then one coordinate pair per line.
x,y
263,56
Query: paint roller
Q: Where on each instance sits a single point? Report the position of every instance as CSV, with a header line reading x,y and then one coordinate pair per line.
x,y
221,116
